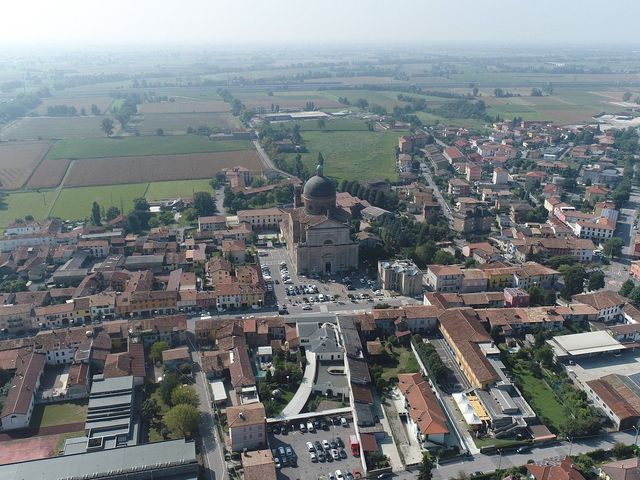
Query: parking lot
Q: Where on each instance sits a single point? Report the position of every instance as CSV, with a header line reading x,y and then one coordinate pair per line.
x,y
312,470
327,286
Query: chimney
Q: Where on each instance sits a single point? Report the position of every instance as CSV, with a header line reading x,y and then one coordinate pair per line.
x,y
297,196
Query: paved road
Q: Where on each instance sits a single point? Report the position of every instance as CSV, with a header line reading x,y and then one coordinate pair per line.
x,y
617,272
446,209
212,447
267,161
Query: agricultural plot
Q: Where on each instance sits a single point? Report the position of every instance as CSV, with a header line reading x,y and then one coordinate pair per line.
x,y
353,155
17,161
143,145
17,205
180,188
35,128
177,123
48,174
75,203
331,124
184,106
134,169
79,102
297,99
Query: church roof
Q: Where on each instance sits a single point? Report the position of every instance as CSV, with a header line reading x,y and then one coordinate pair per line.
x,y
319,186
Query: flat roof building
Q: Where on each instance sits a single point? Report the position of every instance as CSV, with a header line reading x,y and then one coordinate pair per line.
x,y
584,344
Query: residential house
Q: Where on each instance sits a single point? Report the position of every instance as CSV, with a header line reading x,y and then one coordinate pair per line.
x,y
401,276
247,427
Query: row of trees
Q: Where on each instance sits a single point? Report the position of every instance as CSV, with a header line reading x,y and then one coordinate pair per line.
x,y
376,197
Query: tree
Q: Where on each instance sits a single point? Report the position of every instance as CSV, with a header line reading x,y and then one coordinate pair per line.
x,y
95,214
322,123
622,450
141,204
626,288
475,91
544,355
613,247
443,257
393,341
155,352
182,419
107,126
425,468
150,409
159,132
573,280
167,385
204,204
626,96
95,110
596,280
185,394
536,92
634,296
112,212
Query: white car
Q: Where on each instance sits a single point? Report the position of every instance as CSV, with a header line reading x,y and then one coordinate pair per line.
x,y
310,447
276,460
314,457
306,307
339,475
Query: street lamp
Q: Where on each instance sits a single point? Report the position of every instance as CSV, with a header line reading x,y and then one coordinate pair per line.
x,y
500,459
636,427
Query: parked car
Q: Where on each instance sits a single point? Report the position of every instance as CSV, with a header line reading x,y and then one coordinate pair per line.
x,y
303,428
314,457
276,460
281,451
342,453
343,422
310,427
310,447
322,457
339,442
335,454
326,445
332,476
289,451
339,475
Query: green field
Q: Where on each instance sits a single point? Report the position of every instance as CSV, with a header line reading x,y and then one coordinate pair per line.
x,y
31,128
144,145
178,188
59,413
541,398
174,123
26,203
75,203
352,155
331,124
403,361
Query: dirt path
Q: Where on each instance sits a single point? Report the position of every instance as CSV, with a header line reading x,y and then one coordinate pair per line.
x,y
59,188
42,431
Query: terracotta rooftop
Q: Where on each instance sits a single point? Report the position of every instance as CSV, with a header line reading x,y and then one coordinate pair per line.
x,y
423,406
601,300
245,415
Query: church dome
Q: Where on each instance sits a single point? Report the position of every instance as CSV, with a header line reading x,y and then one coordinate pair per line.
x,y
319,186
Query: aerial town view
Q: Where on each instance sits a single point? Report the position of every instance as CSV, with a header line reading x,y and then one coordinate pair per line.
x,y
245,240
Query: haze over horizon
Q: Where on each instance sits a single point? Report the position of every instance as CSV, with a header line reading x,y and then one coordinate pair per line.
x,y
87,23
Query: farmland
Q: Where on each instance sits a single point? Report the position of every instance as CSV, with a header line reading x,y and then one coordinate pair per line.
x,y
144,145
19,204
75,203
17,161
177,123
352,155
79,102
34,128
48,174
178,188
118,170
186,106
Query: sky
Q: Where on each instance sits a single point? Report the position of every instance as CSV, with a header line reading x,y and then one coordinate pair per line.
x,y
80,23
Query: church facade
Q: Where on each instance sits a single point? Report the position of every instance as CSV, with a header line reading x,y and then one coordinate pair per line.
x,y
317,232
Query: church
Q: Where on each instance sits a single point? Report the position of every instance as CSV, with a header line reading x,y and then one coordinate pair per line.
x,y
317,232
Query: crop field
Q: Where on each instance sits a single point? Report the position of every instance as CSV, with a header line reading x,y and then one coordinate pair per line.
x,y
178,188
331,124
177,123
148,168
17,161
144,145
35,128
353,155
294,99
75,203
48,174
80,102
19,204
184,106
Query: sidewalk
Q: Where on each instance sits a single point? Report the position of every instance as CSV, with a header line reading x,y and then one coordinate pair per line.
x,y
297,403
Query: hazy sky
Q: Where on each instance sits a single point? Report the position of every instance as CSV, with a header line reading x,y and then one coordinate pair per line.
x,y
92,22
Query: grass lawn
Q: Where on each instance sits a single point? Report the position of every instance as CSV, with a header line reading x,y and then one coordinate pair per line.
x,y
177,123
541,398
178,188
75,203
25,203
352,155
31,128
143,145
332,124
59,414
64,436
402,361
